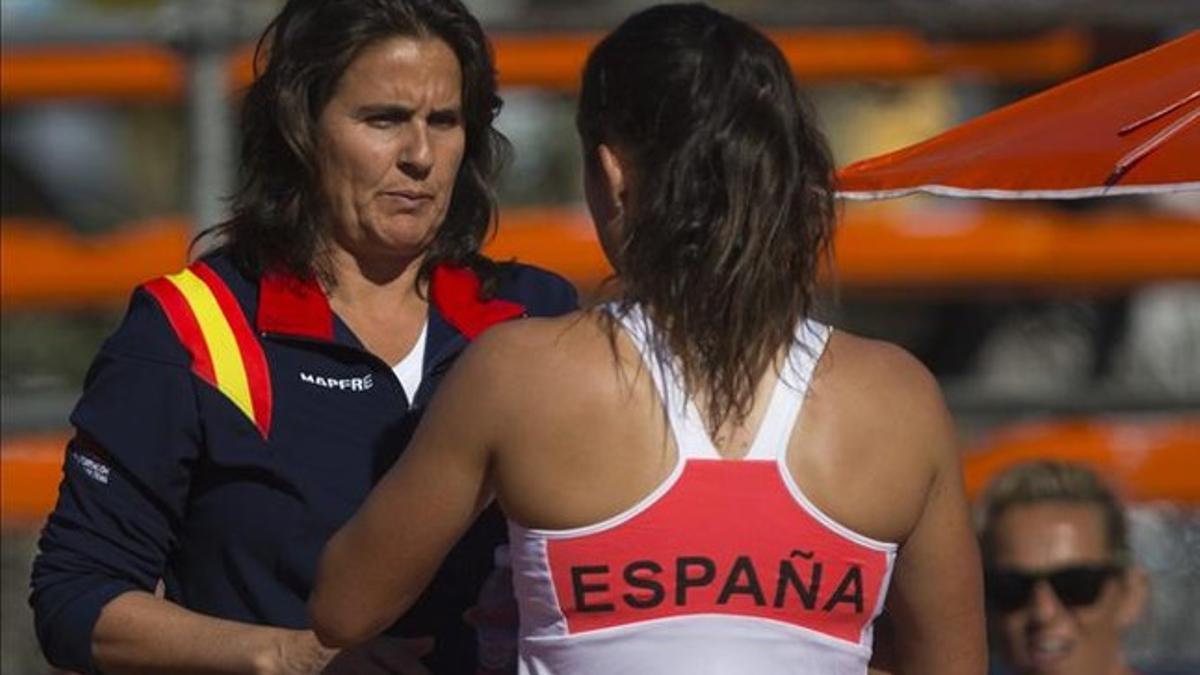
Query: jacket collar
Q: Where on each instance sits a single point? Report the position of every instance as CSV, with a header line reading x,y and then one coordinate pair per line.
x,y
295,307
456,292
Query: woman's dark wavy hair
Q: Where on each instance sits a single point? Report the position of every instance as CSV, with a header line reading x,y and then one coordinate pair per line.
x,y
732,202
277,218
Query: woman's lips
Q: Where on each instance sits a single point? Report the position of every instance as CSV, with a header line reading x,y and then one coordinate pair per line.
x,y
405,200
1046,653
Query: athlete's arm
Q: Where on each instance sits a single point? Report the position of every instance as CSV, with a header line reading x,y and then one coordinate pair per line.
x,y
936,599
376,566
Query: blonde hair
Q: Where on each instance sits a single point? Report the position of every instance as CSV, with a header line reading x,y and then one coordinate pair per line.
x,y
1052,481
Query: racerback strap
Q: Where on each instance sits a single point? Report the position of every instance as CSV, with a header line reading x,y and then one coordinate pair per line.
x,y
790,391
687,425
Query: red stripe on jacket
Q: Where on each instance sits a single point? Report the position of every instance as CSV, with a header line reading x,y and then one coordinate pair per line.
x,y
183,321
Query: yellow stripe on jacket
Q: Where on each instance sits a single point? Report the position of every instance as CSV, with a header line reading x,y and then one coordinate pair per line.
x,y
223,348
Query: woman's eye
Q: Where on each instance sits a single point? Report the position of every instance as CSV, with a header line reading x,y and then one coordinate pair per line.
x,y
444,121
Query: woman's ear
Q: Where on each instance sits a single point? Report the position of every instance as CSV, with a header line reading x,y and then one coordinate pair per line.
x,y
613,169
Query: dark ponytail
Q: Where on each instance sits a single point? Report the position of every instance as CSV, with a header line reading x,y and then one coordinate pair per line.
x,y
733,207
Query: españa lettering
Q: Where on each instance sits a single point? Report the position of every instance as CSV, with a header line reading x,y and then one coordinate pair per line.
x,y
795,582
725,538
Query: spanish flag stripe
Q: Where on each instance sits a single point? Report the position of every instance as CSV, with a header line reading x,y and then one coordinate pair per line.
x,y
257,374
222,345
183,322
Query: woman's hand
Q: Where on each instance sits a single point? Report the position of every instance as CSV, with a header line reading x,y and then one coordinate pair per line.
x,y
300,653
384,654
297,652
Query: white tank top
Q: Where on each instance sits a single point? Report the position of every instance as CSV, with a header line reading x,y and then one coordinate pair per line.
x,y
726,567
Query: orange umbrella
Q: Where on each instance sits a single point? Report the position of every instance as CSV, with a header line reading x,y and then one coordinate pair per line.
x,y
1130,128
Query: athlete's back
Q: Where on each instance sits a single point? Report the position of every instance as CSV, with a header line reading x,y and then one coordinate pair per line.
x,y
584,456
725,565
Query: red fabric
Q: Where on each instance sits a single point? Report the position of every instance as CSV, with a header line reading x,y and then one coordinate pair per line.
x,y
740,516
455,293
291,306
258,376
183,321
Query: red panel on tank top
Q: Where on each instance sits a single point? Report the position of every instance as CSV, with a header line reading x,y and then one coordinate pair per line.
x,y
727,538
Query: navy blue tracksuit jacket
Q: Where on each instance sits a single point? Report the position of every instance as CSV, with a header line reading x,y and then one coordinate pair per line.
x,y
226,430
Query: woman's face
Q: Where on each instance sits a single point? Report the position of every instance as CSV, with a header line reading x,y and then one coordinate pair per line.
x,y
1045,635
390,143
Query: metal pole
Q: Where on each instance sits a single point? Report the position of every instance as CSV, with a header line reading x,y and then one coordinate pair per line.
x,y
210,32
210,137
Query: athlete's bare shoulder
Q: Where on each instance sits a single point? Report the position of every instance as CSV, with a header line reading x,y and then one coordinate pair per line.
x,y
873,433
893,395
534,344
532,359
882,379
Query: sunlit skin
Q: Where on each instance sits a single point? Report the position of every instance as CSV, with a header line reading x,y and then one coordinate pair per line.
x,y
1045,637
391,140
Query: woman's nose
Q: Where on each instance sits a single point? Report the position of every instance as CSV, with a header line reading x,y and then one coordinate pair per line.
x,y
1045,603
416,152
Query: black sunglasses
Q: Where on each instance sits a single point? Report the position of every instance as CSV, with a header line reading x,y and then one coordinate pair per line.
x,y
1008,590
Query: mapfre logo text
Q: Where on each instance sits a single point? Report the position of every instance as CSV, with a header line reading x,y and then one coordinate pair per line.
x,y
344,384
